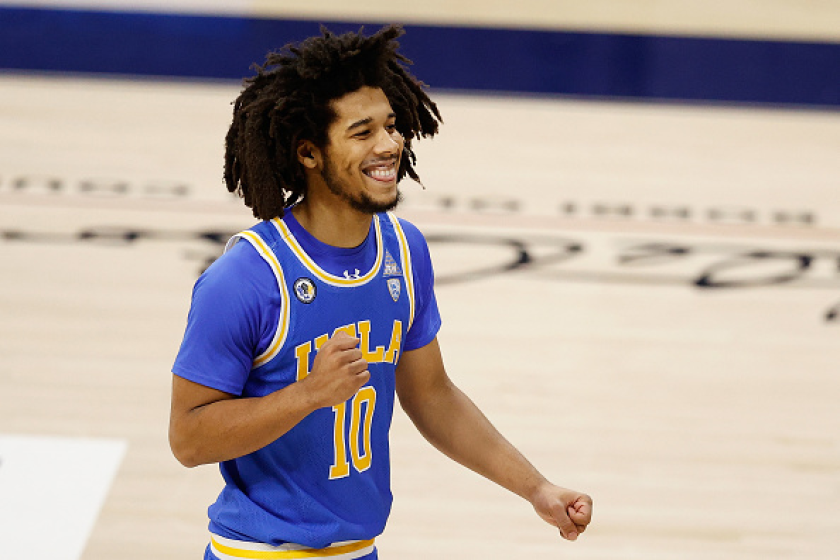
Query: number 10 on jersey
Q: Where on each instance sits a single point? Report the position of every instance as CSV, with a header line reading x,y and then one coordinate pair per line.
x,y
357,438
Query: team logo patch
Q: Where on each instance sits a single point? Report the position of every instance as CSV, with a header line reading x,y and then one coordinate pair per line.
x,y
304,290
394,288
391,267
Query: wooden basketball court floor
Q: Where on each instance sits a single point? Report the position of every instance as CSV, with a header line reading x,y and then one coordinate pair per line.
x,y
643,298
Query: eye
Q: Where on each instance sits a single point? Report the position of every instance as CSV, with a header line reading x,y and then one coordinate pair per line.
x,y
362,134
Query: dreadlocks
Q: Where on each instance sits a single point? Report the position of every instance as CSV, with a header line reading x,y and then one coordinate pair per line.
x,y
288,101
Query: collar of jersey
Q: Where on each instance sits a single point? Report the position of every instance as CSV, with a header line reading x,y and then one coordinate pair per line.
x,y
290,240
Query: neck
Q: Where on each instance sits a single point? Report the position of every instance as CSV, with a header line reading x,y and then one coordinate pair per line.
x,y
337,226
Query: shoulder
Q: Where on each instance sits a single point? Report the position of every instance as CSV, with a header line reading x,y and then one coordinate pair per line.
x,y
240,269
409,228
418,248
239,258
415,238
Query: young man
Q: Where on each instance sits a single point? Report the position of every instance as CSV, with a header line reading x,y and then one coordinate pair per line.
x,y
301,335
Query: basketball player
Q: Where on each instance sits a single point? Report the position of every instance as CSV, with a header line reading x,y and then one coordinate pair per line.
x,y
302,334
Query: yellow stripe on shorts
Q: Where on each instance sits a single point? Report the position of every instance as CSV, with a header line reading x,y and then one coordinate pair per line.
x,y
267,552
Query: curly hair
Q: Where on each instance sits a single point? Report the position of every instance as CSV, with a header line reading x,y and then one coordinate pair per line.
x,y
289,100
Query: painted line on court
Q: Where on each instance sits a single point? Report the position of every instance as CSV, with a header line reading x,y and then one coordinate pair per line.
x,y
51,491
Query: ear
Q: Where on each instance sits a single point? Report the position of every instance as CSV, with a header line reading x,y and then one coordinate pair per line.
x,y
308,154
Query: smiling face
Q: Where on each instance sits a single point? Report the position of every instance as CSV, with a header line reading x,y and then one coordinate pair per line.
x,y
360,162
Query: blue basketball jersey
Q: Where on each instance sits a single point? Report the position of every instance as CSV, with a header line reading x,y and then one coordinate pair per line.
x,y
328,478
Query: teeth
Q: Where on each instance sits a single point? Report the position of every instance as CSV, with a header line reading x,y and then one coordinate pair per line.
x,y
380,173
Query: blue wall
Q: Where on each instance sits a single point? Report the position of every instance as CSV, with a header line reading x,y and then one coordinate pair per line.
x,y
601,65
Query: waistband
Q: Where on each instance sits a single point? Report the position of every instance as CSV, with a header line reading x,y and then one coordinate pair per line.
x,y
230,549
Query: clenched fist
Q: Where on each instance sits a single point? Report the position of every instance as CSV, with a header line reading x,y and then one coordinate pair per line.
x,y
338,372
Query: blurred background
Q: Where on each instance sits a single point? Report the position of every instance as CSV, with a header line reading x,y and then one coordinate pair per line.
x,y
634,218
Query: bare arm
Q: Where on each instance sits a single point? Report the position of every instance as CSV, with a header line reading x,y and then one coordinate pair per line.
x,y
209,426
454,425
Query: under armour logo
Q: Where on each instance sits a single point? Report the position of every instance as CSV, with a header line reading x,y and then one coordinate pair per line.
x,y
354,276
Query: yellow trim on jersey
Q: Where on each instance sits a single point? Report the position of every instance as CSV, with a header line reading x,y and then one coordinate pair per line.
x,y
408,271
267,552
283,327
325,276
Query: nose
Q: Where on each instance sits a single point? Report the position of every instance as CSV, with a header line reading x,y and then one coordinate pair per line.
x,y
388,142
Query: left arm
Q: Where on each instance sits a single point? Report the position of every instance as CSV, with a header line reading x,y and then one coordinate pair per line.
x,y
451,422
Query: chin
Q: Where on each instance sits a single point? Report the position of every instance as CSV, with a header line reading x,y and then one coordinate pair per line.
x,y
369,205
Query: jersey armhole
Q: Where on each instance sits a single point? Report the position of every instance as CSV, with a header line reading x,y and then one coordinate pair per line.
x,y
268,255
408,267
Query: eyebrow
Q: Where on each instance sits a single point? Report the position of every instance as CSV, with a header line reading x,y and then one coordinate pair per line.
x,y
367,121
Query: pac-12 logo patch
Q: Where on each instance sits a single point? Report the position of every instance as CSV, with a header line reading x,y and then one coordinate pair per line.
x,y
304,290
391,267
394,288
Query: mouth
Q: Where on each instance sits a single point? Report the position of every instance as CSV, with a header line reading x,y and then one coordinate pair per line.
x,y
382,171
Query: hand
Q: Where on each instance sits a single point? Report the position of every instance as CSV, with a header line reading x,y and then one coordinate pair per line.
x,y
566,509
338,371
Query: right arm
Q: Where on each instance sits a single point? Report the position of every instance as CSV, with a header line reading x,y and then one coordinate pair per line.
x,y
232,315
209,426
